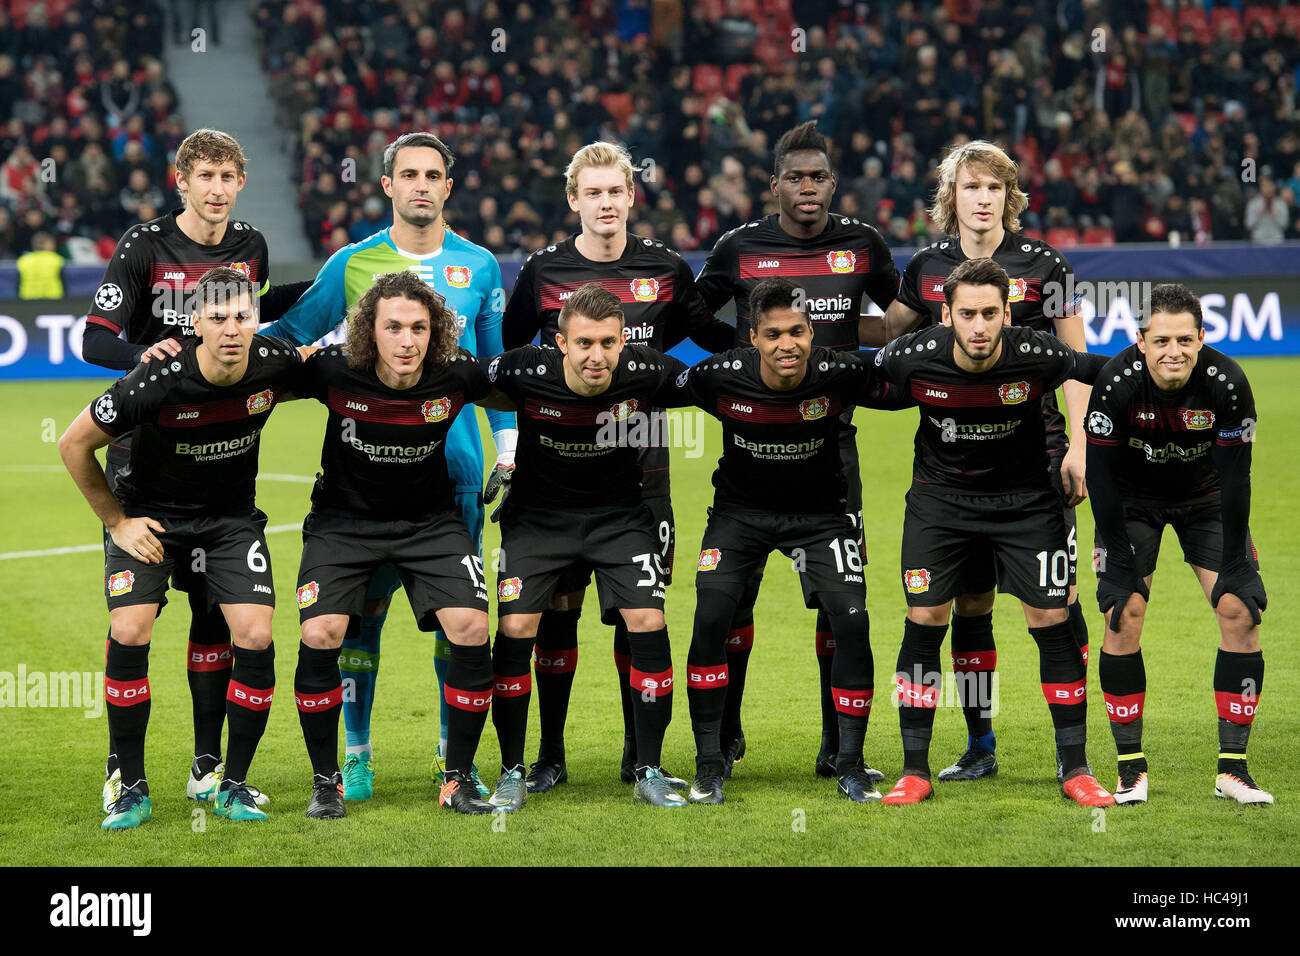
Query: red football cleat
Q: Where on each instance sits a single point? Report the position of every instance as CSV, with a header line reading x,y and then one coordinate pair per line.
x,y
1087,792
909,789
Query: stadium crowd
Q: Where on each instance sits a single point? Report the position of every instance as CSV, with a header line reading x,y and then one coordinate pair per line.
x,y
1130,122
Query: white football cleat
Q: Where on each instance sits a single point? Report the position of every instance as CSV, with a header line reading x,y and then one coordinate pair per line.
x,y
1132,786
1240,787
112,789
205,788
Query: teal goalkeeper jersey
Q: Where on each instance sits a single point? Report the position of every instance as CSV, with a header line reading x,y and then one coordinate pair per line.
x,y
464,274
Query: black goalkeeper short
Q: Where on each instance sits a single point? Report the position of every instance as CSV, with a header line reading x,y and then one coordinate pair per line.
x,y
1199,526
822,548
619,544
434,557
1021,536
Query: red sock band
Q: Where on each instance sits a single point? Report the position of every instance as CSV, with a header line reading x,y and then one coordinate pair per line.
x,y
740,639
653,685
475,700
1125,708
254,698
825,643
1075,692
209,657
915,695
967,661
318,701
1236,707
126,693
514,686
555,662
855,703
706,678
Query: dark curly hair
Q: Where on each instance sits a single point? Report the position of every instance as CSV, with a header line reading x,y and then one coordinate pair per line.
x,y
444,331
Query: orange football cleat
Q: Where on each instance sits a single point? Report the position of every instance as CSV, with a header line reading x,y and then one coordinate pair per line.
x,y
1087,792
909,789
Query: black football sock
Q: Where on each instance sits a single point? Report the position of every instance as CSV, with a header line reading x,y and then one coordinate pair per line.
x,y
706,672
623,665
739,645
1065,688
208,662
824,644
248,705
652,692
1238,681
126,689
112,762
918,679
1124,688
512,686
1079,628
318,693
468,691
852,677
974,662
556,658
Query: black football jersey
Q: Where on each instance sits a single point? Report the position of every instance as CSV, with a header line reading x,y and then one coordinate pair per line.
x,y
781,448
1166,440
983,432
384,454
1038,274
578,451
195,444
147,284
835,269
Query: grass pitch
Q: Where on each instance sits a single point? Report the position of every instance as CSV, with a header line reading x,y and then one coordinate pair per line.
x,y
53,620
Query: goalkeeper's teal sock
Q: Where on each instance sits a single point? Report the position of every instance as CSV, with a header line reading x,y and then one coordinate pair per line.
x,y
359,663
441,660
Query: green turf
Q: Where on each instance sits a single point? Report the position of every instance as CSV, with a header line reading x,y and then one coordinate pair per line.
x,y
776,811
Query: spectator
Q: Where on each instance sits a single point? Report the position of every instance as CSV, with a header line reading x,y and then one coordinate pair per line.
x,y
139,190
1267,214
39,271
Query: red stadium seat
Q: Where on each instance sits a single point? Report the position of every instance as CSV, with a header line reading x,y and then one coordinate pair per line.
x,y
1165,18
714,9
1062,237
708,80
1032,234
620,107
1195,18
1188,122
735,73
1291,14
1098,236
1222,15
1263,16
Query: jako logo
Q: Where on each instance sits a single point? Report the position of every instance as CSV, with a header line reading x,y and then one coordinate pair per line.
x,y
103,909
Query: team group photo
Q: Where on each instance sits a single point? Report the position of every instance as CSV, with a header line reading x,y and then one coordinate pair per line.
x,y
792,416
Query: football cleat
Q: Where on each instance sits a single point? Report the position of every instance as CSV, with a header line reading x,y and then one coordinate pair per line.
x,y
204,788
677,783
435,771
511,792
971,765
732,751
358,777
130,809
1084,790
326,797
545,774
1239,786
237,802
825,767
707,787
112,788
1132,784
461,795
909,789
655,790
858,786
627,768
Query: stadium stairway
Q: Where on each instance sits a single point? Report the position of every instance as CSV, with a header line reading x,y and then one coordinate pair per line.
x,y
225,88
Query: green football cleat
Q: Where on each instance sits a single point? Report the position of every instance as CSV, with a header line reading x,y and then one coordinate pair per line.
x,y
436,771
511,792
236,802
129,810
358,777
204,788
655,790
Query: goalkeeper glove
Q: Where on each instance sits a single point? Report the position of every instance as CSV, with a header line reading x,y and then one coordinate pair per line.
x,y
1245,583
498,483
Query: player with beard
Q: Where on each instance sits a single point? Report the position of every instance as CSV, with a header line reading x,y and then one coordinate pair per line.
x,y
980,484
577,499
416,177
185,496
1169,443
661,307
835,260
141,311
977,206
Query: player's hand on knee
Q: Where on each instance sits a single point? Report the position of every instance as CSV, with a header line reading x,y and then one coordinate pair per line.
x,y
135,537
1246,585
162,351
1114,596
498,483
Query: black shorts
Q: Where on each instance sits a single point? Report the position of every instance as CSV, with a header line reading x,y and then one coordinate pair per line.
x,y
823,550
619,544
434,557
1199,526
227,552
1021,536
852,479
576,578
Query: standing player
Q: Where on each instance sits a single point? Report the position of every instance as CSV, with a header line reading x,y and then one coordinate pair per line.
x,y
577,500
781,486
185,496
145,298
977,205
835,260
385,497
1169,442
416,167
980,483
661,307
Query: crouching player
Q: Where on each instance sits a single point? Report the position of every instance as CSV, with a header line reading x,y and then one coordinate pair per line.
x,y
981,481
780,486
186,495
384,496
1170,429
576,499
